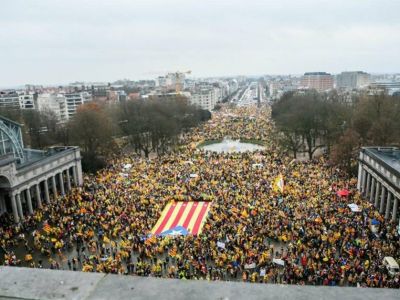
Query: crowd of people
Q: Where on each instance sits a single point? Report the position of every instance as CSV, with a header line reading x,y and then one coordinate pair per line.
x,y
304,234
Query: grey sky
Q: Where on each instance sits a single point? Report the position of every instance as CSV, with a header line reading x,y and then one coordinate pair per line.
x,y
54,41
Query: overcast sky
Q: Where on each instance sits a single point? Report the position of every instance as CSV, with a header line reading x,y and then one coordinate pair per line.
x,y
60,41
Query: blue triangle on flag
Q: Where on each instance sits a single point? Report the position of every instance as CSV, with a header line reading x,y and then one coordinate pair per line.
x,y
178,230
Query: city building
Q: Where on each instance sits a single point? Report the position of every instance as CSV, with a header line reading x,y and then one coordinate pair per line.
x,y
379,179
353,80
161,81
279,85
319,81
172,81
388,87
120,96
167,96
9,99
27,101
74,100
206,98
29,178
55,103
17,100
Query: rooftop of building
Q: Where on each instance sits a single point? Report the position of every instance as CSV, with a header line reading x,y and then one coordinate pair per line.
x,y
316,73
25,283
354,72
25,157
388,156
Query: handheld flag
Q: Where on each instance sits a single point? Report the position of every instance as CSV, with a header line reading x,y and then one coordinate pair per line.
x,y
278,183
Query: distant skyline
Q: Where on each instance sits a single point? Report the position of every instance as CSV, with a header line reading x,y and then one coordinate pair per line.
x,y
58,42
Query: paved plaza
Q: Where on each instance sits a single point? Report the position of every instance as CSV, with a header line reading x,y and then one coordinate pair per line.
x,y
270,219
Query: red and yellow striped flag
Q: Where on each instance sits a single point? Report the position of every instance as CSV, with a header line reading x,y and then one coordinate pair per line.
x,y
190,215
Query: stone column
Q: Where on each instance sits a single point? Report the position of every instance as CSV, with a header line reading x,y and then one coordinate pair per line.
x,y
39,201
68,180
388,205
395,208
363,180
75,176
79,173
53,183
378,187
367,191
14,208
382,206
371,197
19,206
60,175
359,178
46,191
29,200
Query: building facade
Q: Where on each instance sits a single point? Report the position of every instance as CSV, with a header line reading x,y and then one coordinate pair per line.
x,y
387,87
27,101
353,80
319,81
31,178
9,99
205,98
18,100
379,179
55,103
74,100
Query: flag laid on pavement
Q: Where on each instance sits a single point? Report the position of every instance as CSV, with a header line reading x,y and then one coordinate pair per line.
x,y
181,218
178,230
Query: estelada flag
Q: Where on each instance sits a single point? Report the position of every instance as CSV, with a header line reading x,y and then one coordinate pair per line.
x,y
172,252
46,228
180,218
278,183
151,240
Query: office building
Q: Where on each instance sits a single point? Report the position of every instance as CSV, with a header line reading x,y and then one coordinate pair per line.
x,y
353,80
319,81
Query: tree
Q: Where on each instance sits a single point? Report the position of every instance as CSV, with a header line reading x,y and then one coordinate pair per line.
x,y
377,120
153,125
345,151
91,130
301,116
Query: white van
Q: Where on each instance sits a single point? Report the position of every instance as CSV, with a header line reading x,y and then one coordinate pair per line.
x,y
391,265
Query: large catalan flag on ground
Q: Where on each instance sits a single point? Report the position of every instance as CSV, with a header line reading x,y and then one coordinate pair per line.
x,y
182,218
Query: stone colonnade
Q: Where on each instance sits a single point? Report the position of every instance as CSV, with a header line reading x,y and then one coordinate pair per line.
x,y
378,192
35,194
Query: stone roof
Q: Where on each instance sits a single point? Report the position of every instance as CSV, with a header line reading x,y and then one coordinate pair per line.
x,y
387,156
25,283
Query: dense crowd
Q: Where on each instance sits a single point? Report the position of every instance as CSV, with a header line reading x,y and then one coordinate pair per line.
x,y
307,228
